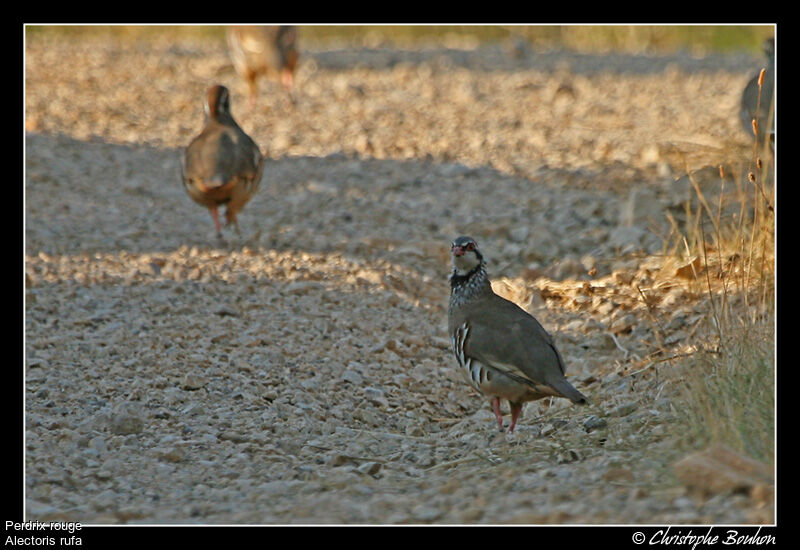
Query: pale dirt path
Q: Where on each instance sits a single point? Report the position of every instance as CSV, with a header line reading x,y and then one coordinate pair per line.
x,y
303,374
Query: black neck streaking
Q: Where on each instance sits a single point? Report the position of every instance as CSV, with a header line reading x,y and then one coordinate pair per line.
x,y
464,287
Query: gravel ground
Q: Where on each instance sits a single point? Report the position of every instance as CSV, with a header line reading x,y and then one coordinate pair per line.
x,y
302,374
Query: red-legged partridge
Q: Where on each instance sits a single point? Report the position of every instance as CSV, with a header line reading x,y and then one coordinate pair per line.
x,y
222,165
502,350
750,98
263,50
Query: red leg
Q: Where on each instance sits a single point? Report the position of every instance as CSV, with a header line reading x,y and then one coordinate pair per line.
x,y
287,79
516,408
496,409
215,217
230,218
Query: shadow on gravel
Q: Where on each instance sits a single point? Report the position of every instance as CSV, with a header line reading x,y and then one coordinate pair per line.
x,y
94,196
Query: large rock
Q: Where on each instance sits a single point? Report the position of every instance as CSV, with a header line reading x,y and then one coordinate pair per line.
x,y
720,469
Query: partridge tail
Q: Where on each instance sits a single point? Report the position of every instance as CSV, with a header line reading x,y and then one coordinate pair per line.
x,y
217,180
567,390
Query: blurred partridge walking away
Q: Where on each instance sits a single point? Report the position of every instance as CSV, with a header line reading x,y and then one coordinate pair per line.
x,y
263,51
222,165
502,350
750,98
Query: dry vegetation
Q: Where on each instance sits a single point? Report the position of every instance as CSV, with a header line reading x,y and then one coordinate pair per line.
x,y
730,392
699,39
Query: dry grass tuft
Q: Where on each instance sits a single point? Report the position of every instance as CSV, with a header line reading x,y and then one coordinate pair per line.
x,y
729,397
728,390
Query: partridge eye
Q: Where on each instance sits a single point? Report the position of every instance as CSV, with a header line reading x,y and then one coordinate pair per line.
x,y
470,246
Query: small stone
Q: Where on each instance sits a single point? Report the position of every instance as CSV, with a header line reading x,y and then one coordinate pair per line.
x,y
369,468
193,409
618,474
225,311
98,443
624,324
339,460
367,417
126,419
567,268
127,513
353,377
627,239
233,435
589,262
426,512
559,423
600,341
571,455
623,277
519,234
623,410
192,382
683,502
372,393
300,288
594,422
573,326
278,487
414,431
397,518
375,396
471,514
40,511
170,454
610,378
